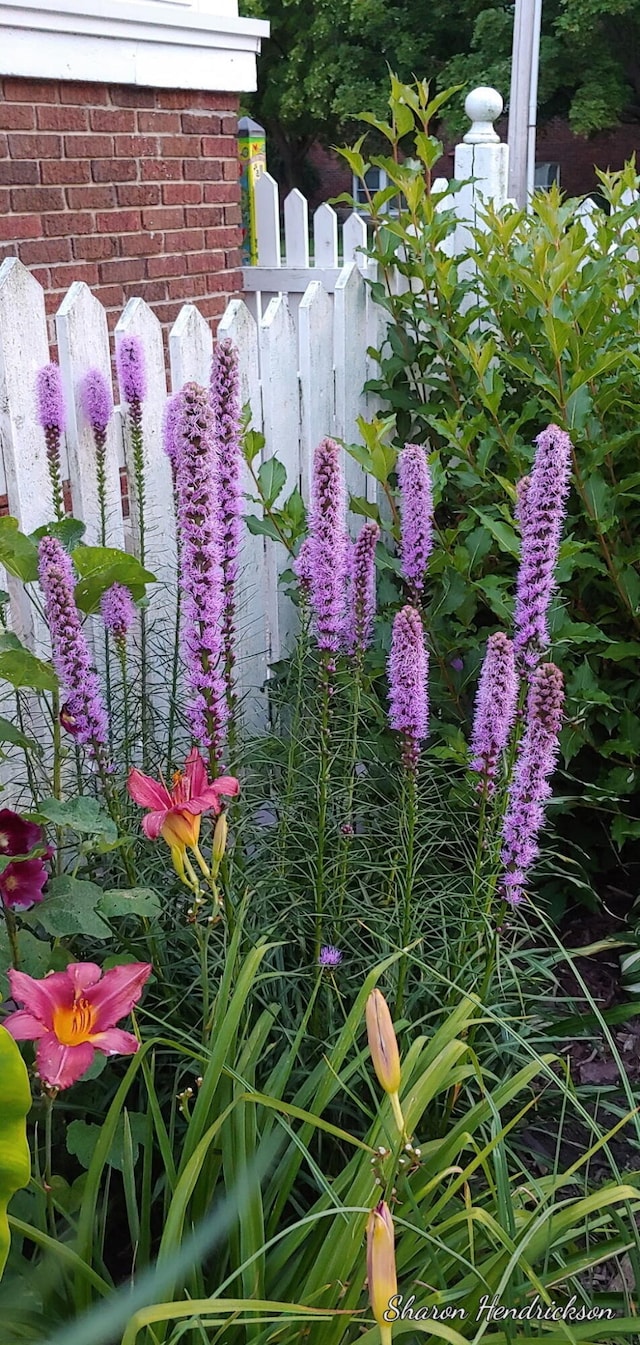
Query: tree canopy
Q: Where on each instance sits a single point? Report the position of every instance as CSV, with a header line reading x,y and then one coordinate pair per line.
x,y
328,60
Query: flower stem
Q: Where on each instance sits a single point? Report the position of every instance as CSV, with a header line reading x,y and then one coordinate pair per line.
x,y
323,799
409,811
175,666
345,839
137,443
122,658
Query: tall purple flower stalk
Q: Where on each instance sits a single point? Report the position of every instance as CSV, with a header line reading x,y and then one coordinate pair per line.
x,y
495,708
52,416
84,712
201,577
170,430
416,514
302,567
408,691
225,400
541,512
96,400
328,551
530,786
132,374
362,589
118,611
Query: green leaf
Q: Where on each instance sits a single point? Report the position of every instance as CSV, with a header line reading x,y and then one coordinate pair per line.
x,y
271,478
359,504
10,734
36,956
70,907
294,509
262,527
81,1139
69,532
18,553
15,1165
141,901
101,566
504,535
22,669
253,444
81,814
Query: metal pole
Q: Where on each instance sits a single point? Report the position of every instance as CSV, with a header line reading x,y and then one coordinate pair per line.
x,y
523,98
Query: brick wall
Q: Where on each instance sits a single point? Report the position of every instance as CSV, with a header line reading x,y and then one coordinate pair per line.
x,y
134,191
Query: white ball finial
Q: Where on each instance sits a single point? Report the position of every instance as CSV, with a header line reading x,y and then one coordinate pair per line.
x,y
482,106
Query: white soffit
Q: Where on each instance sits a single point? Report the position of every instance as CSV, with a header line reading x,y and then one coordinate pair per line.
x,y
171,44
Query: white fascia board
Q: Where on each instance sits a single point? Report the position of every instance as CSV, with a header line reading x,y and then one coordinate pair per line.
x,y
161,45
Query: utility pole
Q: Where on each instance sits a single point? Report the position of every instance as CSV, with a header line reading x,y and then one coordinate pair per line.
x,y
523,99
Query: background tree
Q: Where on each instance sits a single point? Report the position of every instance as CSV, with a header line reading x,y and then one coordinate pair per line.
x,y
327,60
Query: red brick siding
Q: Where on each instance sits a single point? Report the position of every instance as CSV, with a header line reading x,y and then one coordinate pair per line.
x,y
134,191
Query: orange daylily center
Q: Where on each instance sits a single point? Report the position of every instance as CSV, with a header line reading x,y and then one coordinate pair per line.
x,y
74,1025
181,829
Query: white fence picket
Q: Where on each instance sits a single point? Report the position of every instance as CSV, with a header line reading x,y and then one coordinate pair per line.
x,y
239,326
267,202
281,422
317,398
190,349
83,343
325,236
24,349
350,367
296,229
354,239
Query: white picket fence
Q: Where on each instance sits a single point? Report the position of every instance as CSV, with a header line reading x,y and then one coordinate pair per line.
x,y
302,331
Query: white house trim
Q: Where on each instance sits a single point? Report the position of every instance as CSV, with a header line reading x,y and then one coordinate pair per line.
x,y
163,45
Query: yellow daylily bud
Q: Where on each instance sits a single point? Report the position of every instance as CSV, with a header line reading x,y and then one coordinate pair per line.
x,y
382,1042
381,1267
220,839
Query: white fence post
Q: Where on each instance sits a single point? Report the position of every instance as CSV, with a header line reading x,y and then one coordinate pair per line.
x,y
83,342
190,349
483,157
317,397
281,420
239,326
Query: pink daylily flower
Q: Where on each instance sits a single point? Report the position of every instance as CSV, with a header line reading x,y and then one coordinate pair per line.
x,y
72,1014
175,813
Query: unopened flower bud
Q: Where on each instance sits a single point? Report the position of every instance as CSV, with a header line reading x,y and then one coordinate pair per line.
x,y
220,838
381,1267
382,1042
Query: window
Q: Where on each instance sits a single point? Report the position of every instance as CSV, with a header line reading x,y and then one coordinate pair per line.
x,y
376,180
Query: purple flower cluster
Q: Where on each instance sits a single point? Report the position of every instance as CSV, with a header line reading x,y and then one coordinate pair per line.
x,y
132,375
408,694
541,511
495,708
302,568
97,403
85,712
225,400
118,611
327,553
329,956
530,785
416,513
200,568
362,589
170,430
52,416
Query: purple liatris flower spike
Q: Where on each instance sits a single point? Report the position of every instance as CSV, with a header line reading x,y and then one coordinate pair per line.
x,y
118,611
328,550
170,430
302,568
200,569
362,589
495,708
329,956
416,513
97,403
522,495
53,418
225,400
541,511
71,657
408,693
132,374
530,785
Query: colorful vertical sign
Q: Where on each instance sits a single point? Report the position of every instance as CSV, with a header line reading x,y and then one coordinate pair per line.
x,y
252,148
